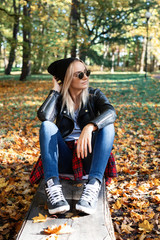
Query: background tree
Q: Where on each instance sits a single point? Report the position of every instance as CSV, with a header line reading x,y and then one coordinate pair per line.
x,y
49,32
26,65
14,38
87,29
74,19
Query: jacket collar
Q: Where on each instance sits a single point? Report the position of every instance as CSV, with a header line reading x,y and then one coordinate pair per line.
x,y
83,110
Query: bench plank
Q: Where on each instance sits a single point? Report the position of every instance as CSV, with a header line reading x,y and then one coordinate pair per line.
x,y
89,227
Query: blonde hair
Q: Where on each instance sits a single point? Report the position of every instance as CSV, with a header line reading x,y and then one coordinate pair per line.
x,y
66,97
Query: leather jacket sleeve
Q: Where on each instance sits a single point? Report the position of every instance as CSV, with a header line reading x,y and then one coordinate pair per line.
x,y
48,110
107,114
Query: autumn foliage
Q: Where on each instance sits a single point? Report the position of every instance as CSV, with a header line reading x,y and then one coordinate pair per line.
x,y
134,197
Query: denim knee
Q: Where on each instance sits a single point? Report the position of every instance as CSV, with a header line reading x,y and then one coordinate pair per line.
x,y
48,126
108,130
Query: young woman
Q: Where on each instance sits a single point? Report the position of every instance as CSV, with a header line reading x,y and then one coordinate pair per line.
x,y
74,113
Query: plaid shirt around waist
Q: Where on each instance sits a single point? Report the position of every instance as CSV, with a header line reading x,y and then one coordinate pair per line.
x,y
77,164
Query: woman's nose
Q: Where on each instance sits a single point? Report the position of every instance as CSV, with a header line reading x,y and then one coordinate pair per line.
x,y
84,77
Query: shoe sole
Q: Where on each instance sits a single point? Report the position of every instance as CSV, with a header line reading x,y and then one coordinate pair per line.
x,y
59,210
85,209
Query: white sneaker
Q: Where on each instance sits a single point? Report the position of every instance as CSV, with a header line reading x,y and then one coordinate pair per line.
x,y
55,199
89,198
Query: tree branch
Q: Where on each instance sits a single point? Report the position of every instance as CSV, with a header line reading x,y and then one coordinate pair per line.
x,y
10,14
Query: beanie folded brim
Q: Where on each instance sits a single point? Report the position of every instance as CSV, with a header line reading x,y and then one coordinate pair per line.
x,y
58,68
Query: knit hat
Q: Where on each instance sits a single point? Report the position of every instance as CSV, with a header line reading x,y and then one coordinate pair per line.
x,y
58,68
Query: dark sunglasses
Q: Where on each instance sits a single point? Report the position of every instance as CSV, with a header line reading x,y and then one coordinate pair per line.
x,y
80,75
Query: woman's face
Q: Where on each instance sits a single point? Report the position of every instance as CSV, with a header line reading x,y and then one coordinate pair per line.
x,y
79,84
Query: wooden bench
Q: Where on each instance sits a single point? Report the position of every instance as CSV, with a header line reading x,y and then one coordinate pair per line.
x,y
85,227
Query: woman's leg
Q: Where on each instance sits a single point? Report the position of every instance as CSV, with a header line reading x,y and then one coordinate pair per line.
x,y
101,151
56,156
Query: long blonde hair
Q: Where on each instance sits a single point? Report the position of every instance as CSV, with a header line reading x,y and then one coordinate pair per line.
x,y
66,97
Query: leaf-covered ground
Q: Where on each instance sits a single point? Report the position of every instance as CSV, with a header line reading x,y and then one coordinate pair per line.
x,y
134,196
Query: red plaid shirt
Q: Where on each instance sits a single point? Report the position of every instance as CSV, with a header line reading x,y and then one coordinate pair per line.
x,y
77,165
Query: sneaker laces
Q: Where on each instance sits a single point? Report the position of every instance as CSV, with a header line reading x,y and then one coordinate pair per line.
x,y
55,194
90,192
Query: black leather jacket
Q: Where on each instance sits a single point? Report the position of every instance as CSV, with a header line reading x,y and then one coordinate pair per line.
x,y
97,110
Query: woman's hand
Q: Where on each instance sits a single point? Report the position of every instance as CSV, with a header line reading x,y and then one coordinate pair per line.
x,y
84,141
57,87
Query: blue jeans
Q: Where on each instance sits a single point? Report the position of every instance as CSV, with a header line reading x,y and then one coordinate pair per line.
x,y
57,157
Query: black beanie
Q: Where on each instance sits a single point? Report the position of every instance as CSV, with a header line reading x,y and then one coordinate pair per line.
x,y
58,68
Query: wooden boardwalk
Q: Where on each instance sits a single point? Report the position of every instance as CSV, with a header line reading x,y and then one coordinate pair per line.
x,y
85,227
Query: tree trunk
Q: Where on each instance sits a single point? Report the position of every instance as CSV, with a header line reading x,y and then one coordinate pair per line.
x,y
5,58
113,58
152,68
83,50
66,47
106,48
74,17
26,42
143,55
118,56
136,55
14,41
1,40
37,65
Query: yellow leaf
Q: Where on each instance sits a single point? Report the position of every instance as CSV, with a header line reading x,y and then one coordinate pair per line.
x,y
117,205
39,218
3,183
151,215
136,216
145,226
9,188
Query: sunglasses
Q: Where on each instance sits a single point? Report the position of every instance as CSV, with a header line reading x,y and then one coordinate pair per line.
x,y
80,75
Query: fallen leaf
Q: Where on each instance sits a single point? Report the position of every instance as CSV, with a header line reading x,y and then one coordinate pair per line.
x,y
39,218
117,227
61,229
142,236
158,209
136,216
126,228
3,183
69,215
156,198
50,237
117,205
79,185
145,226
3,227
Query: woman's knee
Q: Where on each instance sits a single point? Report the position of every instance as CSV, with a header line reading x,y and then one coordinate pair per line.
x,y
108,130
48,126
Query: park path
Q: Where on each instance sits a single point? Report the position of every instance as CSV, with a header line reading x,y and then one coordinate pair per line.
x,y
156,75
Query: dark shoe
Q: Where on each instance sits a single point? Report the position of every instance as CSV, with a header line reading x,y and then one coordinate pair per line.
x,y
89,198
55,199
